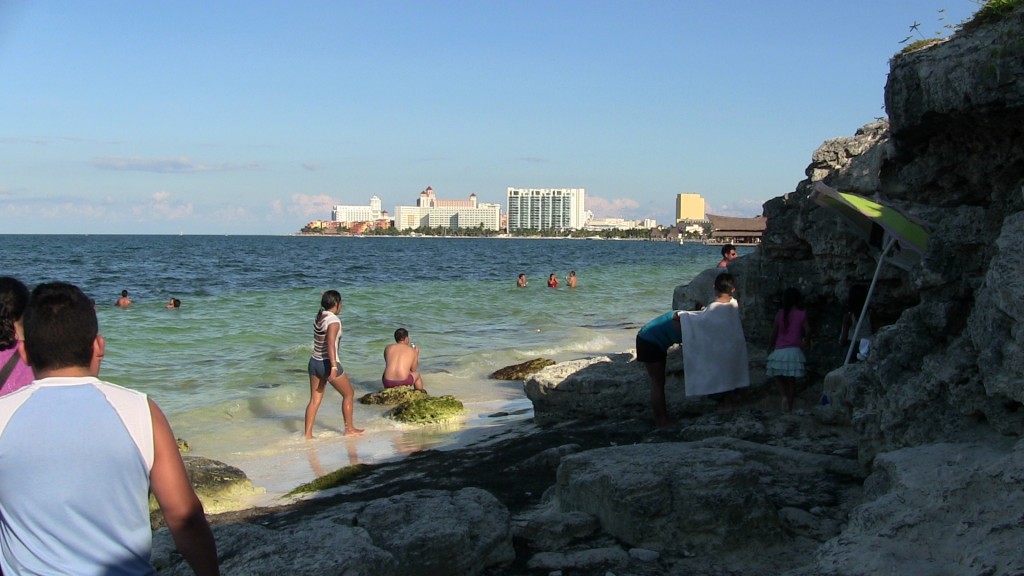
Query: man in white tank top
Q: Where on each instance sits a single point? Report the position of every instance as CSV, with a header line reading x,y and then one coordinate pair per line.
x,y
79,456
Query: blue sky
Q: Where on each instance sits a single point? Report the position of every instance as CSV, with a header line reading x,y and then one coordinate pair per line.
x,y
256,117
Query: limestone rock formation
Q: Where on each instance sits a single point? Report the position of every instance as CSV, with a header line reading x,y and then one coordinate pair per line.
x,y
421,533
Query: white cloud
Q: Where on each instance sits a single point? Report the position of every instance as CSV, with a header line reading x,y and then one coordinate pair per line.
x,y
743,208
317,207
177,165
616,208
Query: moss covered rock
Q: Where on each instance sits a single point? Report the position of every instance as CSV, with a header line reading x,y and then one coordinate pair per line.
x,y
393,396
339,477
427,410
521,371
219,486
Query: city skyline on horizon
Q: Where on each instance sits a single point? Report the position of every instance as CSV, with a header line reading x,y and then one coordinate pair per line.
x,y
270,114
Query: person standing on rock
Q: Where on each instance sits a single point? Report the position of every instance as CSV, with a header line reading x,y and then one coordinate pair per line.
x,y
79,458
791,335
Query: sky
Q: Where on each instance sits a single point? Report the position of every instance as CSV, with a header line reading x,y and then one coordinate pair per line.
x,y
256,117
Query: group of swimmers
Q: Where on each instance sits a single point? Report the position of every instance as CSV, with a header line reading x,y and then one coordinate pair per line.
x,y
124,301
570,280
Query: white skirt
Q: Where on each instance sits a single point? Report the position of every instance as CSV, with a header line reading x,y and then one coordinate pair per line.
x,y
787,362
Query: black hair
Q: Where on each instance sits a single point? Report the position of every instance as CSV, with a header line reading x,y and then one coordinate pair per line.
x,y
401,334
124,293
791,298
328,300
725,283
60,327
13,300
176,302
726,249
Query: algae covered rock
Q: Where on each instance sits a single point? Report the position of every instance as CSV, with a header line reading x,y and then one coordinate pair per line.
x,y
521,371
392,396
427,410
219,486
339,477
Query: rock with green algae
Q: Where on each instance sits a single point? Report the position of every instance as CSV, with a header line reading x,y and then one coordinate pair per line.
x,y
392,396
219,486
521,371
427,410
339,477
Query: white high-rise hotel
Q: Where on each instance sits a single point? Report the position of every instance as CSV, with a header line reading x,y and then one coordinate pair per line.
x,y
546,208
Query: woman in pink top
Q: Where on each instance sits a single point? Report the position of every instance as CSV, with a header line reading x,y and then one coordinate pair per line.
x,y
14,373
791,335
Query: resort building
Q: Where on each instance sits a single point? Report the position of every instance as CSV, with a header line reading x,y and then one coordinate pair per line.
x,y
690,208
347,214
599,224
431,211
738,231
546,208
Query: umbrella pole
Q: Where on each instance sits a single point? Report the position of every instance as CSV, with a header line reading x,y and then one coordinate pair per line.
x,y
867,300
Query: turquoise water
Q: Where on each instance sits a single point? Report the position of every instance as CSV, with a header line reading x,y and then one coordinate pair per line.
x,y
229,366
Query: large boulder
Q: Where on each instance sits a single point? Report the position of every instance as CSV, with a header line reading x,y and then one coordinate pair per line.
x,y
714,495
434,532
946,508
419,533
615,386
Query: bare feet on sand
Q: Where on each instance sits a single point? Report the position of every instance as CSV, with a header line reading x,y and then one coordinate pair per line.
x,y
353,431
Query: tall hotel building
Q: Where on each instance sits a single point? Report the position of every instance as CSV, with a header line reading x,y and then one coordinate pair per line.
x,y
546,208
434,212
690,208
346,214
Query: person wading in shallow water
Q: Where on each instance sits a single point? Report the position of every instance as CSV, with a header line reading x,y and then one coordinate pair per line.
x,y
324,367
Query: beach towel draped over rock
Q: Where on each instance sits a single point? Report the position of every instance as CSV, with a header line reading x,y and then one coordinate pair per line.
x,y
714,349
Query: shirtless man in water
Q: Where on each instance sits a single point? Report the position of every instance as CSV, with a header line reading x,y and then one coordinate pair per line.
x,y
402,363
123,301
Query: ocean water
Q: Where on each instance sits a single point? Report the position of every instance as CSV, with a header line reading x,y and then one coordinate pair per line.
x,y
229,366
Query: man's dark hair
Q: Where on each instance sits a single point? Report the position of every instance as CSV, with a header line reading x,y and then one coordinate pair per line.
x,y
60,327
401,334
726,249
725,283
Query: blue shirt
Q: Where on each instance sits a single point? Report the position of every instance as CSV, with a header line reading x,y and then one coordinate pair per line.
x,y
662,331
75,458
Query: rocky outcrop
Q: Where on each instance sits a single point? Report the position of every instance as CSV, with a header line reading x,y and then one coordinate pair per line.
x,y
952,159
942,508
420,533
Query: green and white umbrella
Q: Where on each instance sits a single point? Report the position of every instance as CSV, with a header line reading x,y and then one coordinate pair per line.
x,y
901,241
